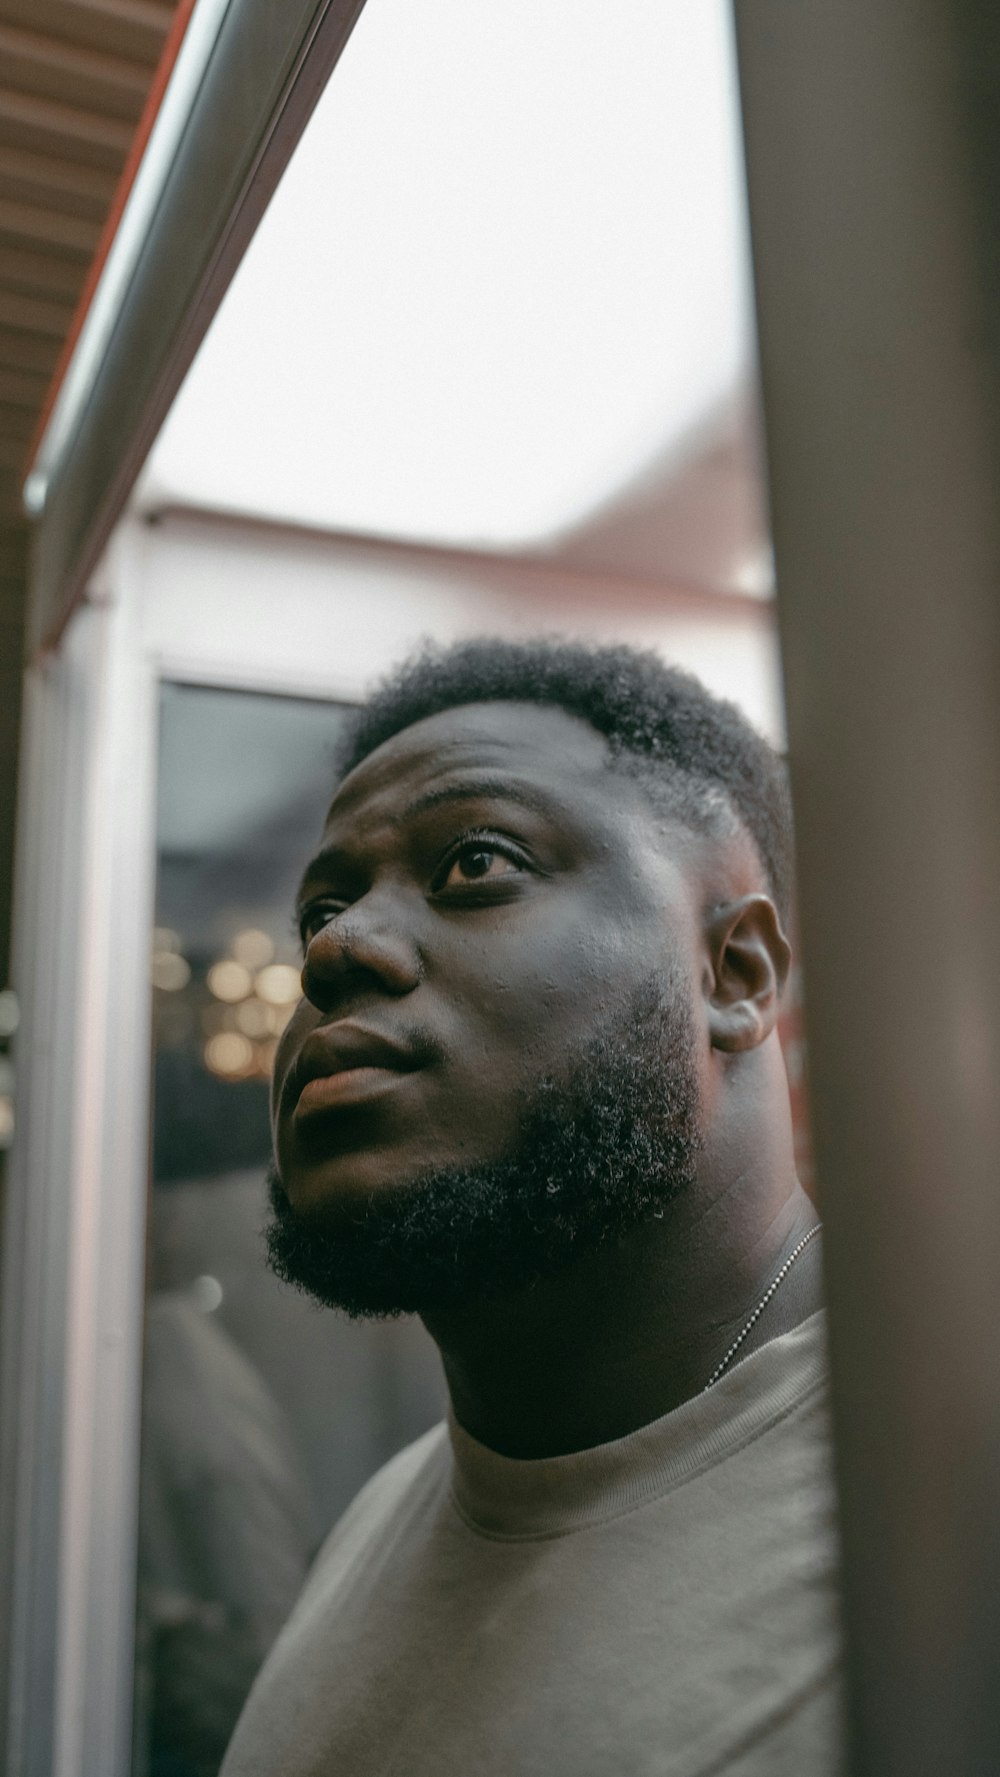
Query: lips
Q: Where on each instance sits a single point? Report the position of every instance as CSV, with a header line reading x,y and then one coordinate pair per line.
x,y
344,1064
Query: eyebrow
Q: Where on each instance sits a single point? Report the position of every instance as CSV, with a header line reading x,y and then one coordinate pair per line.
x,y
502,788
467,789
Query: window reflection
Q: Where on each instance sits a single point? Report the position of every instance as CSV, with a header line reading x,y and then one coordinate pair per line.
x,y
261,1416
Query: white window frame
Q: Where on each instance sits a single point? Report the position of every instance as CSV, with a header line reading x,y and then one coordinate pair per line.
x,y
246,607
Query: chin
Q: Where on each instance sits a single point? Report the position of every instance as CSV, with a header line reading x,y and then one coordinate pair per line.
x,y
347,1181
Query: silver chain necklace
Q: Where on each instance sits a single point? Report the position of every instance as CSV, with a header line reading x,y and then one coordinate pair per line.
x,y
761,1305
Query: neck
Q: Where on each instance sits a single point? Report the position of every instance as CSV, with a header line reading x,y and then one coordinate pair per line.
x,y
627,1334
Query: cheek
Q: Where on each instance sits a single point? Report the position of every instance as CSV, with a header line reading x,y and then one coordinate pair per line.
x,y
303,1020
557,978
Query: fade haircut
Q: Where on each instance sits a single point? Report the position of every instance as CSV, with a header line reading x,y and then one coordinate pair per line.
x,y
696,756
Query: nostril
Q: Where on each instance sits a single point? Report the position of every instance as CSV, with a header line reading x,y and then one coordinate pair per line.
x,y
339,957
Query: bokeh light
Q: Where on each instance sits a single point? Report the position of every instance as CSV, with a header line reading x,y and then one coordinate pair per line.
x,y
229,981
280,984
206,1293
253,1018
230,1054
169,971
253,948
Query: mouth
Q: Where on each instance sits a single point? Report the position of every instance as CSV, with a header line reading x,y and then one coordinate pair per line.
x,y
349,1086
343,1065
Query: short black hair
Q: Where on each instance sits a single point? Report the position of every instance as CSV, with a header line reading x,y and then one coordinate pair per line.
x,y
696,755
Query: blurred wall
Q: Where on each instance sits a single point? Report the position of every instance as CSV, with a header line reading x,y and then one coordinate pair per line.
x,y
325,614
14,539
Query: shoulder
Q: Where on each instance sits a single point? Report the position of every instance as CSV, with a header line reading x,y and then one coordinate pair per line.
x,y
425,1459
410,1481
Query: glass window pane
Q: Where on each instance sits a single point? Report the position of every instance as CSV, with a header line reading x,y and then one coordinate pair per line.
x,y
261,1416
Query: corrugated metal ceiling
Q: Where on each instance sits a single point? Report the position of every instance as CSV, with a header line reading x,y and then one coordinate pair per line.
x,y
74,75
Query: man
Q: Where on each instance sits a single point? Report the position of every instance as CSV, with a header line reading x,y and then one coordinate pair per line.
x,y
534,1093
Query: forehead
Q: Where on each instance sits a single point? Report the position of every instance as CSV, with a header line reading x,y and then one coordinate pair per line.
x,y
529,747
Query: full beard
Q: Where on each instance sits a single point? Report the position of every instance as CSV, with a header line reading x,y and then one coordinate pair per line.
x,y
601,1149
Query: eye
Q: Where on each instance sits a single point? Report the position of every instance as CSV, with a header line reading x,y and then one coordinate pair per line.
x,y
314,916
478,864
478,860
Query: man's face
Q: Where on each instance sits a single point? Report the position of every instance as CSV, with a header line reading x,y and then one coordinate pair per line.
x,y
489,895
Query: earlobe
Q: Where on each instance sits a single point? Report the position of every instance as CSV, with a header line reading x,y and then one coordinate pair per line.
x,y
749,958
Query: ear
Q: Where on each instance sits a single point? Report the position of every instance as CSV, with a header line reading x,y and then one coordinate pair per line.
x,y
749,958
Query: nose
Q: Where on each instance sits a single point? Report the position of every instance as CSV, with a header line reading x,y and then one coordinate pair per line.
x,y
361,948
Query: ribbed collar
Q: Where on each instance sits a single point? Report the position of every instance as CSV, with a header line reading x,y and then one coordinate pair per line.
x,y
507,1497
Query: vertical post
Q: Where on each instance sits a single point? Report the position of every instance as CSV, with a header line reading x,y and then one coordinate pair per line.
x,y
73,1276
871,131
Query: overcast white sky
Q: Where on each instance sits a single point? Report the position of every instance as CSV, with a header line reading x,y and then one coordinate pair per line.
x,y
506,267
